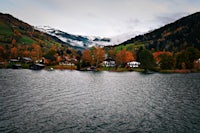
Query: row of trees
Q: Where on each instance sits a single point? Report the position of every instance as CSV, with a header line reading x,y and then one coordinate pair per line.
x,y
184,59
96,55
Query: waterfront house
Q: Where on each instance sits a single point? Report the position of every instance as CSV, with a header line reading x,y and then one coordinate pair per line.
x,y
68,61
133,64
26,60
109,63
15,63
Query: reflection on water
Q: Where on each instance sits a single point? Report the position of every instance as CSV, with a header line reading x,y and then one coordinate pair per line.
x,y
73,101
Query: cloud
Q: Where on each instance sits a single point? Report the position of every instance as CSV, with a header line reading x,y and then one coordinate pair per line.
x,y
165,19
100,17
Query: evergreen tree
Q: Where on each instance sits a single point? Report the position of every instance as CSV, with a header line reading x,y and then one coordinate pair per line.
x,y
146,59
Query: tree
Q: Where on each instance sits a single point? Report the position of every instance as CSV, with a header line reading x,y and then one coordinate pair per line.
x,y
123,56
2,53
26,53
128,56
192,54
146,59
14,52
166,61
111,53
86,58
50,55
181,59
120,57
98,56
187,57
36,52
158,53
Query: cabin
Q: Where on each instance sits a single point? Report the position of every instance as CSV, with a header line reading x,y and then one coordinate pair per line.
x,y
68,61
26,60
109,63
133,64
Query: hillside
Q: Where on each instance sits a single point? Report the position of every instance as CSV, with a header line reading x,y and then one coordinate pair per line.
x,y
18,38
175,37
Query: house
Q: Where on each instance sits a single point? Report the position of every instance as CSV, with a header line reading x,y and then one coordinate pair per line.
x,y
198,60
26,60
68,61
133,64
109,63
15,63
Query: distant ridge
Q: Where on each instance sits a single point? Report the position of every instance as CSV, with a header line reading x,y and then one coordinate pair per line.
x,y
175,36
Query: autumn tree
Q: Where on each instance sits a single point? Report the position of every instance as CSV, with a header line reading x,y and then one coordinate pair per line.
x,y
98,56
36,52
123,56
86,58
111,53
13,42
158,53
2,53
14,52
26,53
128,56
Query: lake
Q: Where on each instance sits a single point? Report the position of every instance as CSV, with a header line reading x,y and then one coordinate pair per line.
x,y
74,101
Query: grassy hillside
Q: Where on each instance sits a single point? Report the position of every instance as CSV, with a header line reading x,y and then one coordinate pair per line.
x,y
17,36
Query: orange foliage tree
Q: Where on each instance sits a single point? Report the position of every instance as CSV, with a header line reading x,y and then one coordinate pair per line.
x,y
26,53
86,57
98,56
36,52
13,42
2,53
111,53
123,56
157,55
14,52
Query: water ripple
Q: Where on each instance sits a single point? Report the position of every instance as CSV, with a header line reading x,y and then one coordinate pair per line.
x,y
72,101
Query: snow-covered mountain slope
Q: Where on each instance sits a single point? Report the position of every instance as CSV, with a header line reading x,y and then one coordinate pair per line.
x,y
75,40
84,41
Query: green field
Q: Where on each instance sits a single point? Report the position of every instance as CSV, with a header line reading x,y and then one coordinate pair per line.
x,y
130,47
5,29
26,40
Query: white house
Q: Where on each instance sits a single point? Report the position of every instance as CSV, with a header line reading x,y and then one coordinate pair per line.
x,y
109,63
198,60
133,64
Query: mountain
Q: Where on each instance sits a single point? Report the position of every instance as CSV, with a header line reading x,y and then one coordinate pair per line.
x,y
18,38
75,40
175,36
13,28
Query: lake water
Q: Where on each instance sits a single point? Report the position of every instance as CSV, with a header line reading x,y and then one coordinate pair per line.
x,y
73,101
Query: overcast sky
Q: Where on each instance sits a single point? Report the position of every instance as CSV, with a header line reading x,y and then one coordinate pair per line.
x,y
105,18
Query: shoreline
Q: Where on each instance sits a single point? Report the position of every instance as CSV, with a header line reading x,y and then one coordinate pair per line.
x,y
119,70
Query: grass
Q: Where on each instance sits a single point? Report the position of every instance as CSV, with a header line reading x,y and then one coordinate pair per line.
x,y
5,29
130,46
26,40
